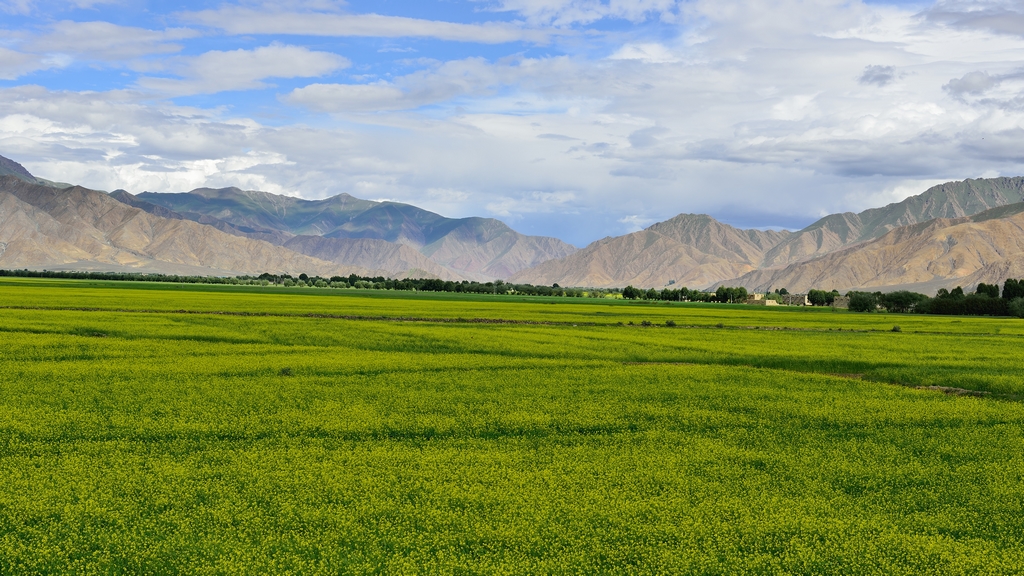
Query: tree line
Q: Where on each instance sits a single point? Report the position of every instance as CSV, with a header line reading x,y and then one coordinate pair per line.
x,y
684,294
987,300
304,280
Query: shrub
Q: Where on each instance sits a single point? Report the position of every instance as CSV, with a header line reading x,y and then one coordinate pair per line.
x,y
670,323
897,329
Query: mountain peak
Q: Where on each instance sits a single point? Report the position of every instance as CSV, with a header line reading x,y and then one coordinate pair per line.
x,y
12,168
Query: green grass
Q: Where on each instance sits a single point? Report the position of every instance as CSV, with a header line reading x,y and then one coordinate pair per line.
x,y
135,438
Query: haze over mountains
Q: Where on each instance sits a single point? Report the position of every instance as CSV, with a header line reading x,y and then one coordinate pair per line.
x,y
958,233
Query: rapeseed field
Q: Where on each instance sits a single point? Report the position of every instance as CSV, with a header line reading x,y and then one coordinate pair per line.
x,y
155,429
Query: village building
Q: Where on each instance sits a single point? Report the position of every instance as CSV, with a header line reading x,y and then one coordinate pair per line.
x,y
760,300
841,303
795,300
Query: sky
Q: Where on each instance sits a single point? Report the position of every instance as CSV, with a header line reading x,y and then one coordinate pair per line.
x,y
577,119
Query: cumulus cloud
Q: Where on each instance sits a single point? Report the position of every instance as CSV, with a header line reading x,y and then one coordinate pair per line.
x,y
241,20
973,83
218,71
878,75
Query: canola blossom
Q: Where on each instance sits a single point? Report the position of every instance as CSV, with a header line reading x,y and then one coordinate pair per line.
x,y
207,431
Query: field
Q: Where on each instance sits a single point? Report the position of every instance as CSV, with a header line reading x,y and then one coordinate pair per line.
x,y
151,428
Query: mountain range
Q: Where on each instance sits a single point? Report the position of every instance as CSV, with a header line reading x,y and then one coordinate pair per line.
x,y
958,233
398,238
59,226
698,251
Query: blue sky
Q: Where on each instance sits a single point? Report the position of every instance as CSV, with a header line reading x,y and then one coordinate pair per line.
x,y
572,118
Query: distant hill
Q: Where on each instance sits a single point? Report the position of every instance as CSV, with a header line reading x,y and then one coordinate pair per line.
x,y
396,260
949,200
700,252
939,253
85,229
476,248
694,250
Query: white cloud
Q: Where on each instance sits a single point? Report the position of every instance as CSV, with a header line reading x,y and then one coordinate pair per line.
x,y
350,98
635,223
218,71
25,7
239,20
16,6
650,52
529,203
567,12
973,83
106,41
14,64
757,113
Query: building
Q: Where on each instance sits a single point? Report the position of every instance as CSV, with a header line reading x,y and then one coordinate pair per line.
x,y
841,302
795,300
760,300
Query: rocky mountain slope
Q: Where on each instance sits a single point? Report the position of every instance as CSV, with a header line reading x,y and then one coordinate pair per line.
x,y
397,260
959,233
940,253
480,248
11,168
46,226
949,200
701,252
693,250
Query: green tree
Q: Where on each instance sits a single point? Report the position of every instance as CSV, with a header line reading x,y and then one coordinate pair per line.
x,y
862,302
901,301
990,290
819,297
1013,289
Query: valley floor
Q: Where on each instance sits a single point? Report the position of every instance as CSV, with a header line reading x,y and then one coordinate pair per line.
x,y
167,428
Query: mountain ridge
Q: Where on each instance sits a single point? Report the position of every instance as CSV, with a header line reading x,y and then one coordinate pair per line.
x,y
938,253
41,225
475,248
689,249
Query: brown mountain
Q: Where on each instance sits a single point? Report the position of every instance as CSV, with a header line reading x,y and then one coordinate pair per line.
x,y
395,260
690,249
43,226
940,253
478,248
386,258
949,200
